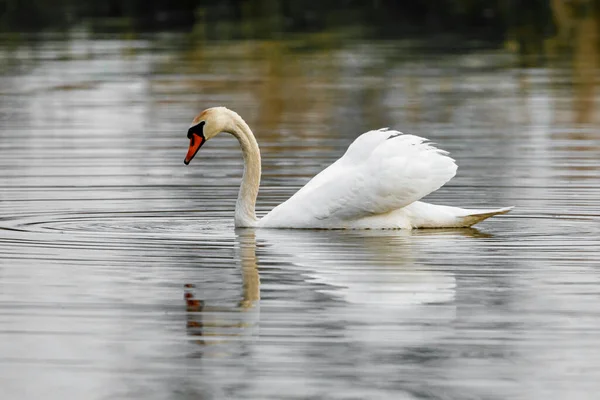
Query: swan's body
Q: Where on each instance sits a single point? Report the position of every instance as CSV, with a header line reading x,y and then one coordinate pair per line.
x,y
376,184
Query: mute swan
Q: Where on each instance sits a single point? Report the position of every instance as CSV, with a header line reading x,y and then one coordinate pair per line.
x,y
376,184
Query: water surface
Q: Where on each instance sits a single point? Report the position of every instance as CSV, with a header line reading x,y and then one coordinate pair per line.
x,y
103,230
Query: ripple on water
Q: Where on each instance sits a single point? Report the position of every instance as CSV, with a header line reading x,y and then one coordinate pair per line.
x,y
165,224
122,275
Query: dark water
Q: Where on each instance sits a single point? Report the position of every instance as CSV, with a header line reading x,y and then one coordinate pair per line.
x,y
101,225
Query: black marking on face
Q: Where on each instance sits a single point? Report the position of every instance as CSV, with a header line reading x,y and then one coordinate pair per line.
x,y
394,135
198,129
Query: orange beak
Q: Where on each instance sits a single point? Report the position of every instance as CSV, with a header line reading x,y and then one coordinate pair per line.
x,y
196,141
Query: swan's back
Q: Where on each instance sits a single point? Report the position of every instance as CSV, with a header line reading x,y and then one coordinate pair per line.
x,y
381,171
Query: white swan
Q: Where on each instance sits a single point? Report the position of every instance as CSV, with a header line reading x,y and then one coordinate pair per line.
x,y
375,185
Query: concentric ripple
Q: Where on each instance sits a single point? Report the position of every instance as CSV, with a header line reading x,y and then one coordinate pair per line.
x,y
165,224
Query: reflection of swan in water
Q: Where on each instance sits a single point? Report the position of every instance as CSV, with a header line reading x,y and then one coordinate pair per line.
x,y
367,276
217,323
368,268
374,291
338,310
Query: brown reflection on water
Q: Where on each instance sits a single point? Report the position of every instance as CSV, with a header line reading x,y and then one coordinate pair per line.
x,y
577,42
586,69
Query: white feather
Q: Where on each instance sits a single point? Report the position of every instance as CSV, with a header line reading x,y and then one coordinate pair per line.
x,y
382,171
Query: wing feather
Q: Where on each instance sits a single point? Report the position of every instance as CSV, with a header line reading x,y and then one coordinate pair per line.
x,y
380,172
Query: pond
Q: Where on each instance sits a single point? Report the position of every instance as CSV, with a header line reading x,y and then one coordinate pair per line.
x,y
104,232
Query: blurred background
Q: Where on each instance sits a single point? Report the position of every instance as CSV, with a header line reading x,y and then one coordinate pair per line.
x,y
265,33
528,27
528,22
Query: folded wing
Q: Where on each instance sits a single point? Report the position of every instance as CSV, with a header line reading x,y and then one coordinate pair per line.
x,y
380,172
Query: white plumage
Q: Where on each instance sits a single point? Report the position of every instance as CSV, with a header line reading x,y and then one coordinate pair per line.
x,y
376,184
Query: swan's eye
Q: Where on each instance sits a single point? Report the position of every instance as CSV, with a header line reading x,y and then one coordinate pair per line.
x,y
197,129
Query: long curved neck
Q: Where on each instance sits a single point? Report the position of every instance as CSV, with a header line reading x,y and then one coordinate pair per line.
x,y
245,215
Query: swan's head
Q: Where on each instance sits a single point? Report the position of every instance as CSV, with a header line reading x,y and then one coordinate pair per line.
x,y
205,126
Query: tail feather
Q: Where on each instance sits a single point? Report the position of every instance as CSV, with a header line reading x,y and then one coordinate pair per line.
x,y
475,216
425,215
